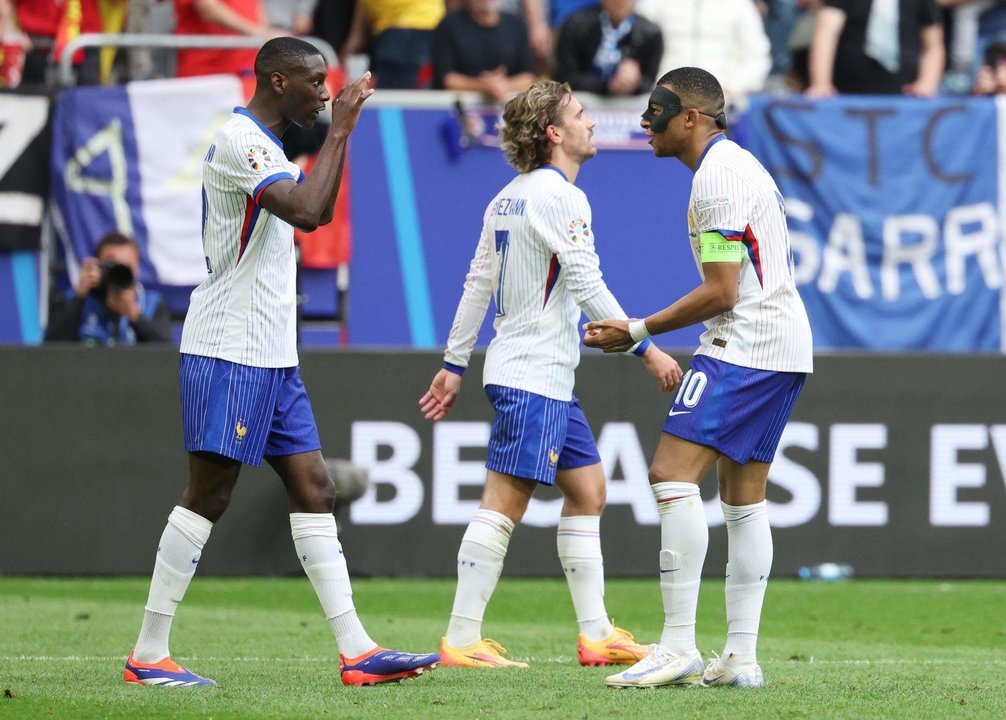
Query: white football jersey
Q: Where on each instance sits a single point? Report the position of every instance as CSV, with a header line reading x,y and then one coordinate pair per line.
x,y
536,258
768,329
246,309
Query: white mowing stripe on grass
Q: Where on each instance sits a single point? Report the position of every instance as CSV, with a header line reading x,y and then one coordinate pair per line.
x,y
562,659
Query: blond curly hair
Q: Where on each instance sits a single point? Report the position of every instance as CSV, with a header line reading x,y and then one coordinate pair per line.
x,y
526,117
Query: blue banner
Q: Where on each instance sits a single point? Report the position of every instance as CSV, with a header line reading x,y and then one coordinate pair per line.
x,y
417,208
893,213
95,175
129,158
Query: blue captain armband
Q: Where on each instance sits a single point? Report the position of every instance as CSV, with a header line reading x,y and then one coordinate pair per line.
x,y
642,347
456,369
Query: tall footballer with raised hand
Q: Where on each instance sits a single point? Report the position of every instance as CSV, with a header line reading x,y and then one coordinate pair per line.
x,y
241,392
738,393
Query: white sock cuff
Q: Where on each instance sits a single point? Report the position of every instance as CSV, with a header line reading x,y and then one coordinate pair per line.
x,y
491,530
494,519
304,525
738,514
581,524
194,527
579,537
665,491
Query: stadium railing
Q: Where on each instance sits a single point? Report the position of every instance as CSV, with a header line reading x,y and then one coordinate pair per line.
x,y
151,41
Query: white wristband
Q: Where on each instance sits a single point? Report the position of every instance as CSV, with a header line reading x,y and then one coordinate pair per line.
x,y
638,331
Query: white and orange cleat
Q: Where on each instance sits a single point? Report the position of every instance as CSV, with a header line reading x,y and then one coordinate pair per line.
x,y
619,649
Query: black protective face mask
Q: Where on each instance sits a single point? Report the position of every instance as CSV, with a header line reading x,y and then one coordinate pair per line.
x,y
666,99
671,104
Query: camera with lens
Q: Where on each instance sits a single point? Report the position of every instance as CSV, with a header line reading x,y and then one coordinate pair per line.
x,y
114,277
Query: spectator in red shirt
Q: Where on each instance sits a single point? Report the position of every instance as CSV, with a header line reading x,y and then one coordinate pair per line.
x,y
219,17
50,24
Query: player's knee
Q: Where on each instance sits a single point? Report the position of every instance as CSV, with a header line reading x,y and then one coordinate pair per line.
x,y
594,502
319,492
213,505
585,501
662,474
327,494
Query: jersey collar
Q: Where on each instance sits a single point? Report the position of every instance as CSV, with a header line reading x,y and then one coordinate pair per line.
x,y
263,128
553,167
706,151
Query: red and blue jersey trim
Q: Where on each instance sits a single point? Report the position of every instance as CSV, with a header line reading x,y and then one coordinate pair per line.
x,y
275,177
252,210
553,277
750,243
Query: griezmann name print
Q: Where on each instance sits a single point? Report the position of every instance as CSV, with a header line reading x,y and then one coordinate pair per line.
x,y
508,206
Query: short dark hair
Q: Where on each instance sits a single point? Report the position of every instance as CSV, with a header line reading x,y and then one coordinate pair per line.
x,y
112,238
995,53
281,55
696,87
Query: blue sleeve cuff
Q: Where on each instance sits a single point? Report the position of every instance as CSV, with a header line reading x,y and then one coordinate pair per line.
x,y
456,369
275,177
642,348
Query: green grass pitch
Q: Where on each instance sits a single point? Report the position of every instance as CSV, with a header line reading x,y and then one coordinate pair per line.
x,y
859,649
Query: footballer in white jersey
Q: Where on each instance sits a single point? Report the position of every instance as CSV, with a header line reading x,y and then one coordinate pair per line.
x,y
245,311
242,397
536,258
734,197
735,399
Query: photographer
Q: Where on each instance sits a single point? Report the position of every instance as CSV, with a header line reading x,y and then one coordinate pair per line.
x,y
109,306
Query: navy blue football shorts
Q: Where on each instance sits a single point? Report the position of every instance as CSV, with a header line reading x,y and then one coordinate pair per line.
x,y
244,413
739,411
533,436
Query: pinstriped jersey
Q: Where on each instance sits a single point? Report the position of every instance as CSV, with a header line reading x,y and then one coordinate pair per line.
x,y
245,309
536,259
732,194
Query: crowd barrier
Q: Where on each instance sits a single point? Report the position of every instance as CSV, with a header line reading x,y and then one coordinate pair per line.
x,y
892,464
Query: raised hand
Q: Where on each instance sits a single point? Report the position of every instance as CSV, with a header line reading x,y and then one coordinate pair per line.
x,y
348,103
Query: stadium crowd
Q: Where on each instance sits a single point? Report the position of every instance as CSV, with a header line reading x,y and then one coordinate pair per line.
x,y
609,48
498,47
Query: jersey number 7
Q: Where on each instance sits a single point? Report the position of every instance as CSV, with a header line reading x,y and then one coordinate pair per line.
x,y
502,246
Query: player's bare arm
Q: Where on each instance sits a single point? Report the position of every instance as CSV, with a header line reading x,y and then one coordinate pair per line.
x,y
717,294
439,399
311,203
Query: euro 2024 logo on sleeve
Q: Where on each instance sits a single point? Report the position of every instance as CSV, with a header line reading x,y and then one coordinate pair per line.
x,y
259,158
579,232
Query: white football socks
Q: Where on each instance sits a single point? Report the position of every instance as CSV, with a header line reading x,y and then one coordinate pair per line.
x,y
178,554
480,562
316,538
684,538
749,561
578,540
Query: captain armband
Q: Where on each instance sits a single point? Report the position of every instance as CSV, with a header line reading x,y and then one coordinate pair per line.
x,y
714,248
